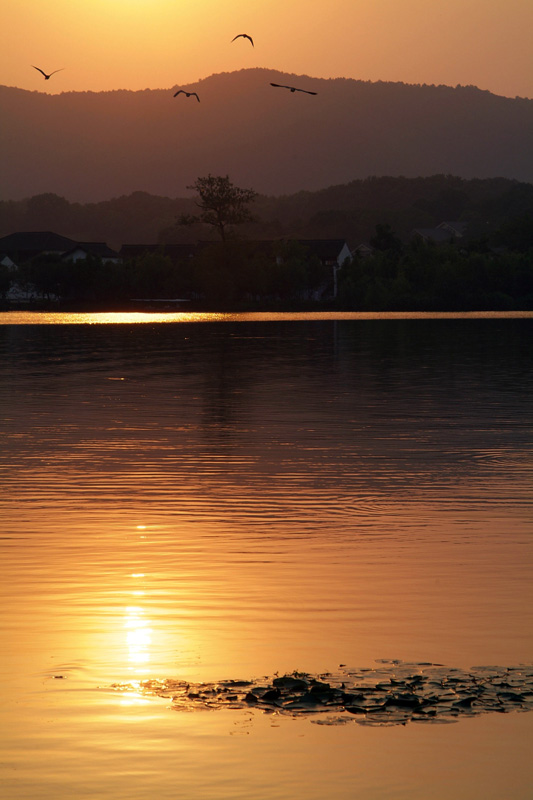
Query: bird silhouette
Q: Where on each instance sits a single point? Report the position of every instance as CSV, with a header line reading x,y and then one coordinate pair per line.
x,y
187,94
47,77
244,36
291,88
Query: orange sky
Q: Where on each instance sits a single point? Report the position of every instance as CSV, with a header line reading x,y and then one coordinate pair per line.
x,y
138,44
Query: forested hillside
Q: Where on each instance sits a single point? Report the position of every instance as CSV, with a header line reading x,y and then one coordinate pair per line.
x,y
350,211
89,146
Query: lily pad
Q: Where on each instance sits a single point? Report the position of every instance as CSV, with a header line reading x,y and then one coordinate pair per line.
x,y
394,693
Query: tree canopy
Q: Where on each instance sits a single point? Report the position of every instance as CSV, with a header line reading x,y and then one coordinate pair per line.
x,y
222,204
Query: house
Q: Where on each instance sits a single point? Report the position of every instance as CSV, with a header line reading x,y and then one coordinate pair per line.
x,y
455,229
330,252
25,245
443,233
363,250
17,249
84,250
6,261
434,235
176,252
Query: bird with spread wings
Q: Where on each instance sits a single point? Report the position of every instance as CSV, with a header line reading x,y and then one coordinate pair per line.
x,y
291,88
243,36
187,94
47,77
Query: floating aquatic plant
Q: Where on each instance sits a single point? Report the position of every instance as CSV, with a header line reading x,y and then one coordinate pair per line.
x,y
393,693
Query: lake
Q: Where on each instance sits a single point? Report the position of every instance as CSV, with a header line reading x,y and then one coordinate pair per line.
x,y
193,501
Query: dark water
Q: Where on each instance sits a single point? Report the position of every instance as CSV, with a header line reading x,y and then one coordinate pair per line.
x,y
218,500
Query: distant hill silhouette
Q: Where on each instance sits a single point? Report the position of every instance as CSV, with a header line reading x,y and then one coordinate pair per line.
x,y
349,211
90,146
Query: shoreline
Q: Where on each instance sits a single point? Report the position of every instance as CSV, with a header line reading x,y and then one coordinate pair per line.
x,y
165,317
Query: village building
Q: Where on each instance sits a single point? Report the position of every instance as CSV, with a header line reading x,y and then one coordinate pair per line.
x,y
84,250
363,250
21,247
442,233
176,252
25,245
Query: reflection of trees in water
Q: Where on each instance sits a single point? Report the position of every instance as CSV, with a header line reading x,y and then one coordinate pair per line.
x,y
251,369
344,410
386,406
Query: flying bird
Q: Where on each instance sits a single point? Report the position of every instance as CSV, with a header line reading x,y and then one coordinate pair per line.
x,y
243,36
47,77
187,94
291,88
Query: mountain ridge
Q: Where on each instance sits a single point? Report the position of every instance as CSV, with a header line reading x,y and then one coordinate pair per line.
x,y
350,211
89,146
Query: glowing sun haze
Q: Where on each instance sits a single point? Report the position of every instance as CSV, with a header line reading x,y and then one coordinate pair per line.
x,y
138,44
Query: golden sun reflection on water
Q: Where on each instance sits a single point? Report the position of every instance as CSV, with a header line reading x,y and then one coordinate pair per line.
x,y
143,317
138,635
134,698
138,627
106,318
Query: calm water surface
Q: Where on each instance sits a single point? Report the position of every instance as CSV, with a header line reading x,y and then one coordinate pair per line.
x,y
223,497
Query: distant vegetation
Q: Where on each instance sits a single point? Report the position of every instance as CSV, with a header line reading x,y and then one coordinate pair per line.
x,y
419,276
490,267
220,204
235,275
350,211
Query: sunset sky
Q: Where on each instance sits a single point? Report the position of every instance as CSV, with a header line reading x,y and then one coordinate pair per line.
x,y
138,44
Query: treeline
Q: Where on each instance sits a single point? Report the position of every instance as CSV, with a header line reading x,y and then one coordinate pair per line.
x,y
489,267
239,275
422,276
350,211
218,275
